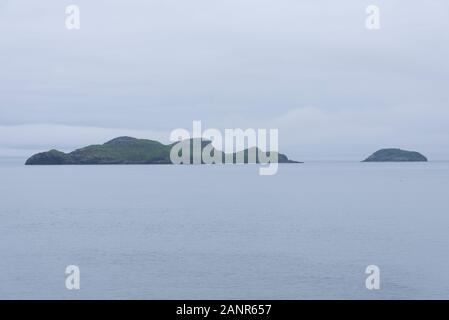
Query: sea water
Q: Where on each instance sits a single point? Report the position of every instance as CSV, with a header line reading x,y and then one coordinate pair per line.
x,y
224,231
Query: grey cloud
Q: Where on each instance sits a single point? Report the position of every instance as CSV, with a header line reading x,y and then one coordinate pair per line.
x,y
153,66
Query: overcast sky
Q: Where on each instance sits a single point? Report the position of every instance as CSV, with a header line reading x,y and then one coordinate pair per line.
x,y
334,89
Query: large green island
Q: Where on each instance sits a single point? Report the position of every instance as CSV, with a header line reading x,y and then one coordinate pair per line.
x,y
395,155
127,150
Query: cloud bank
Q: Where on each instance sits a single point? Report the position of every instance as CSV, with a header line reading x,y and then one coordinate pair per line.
x,y
333,88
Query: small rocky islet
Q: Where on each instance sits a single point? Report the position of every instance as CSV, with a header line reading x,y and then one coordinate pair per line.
x,y
395,155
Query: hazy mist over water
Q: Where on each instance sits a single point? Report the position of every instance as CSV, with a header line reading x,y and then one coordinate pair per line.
x,y
210,232
334,91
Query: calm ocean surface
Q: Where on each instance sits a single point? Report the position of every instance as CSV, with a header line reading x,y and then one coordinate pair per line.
x,y
188,232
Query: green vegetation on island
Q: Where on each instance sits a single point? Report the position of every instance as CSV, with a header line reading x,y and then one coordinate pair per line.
x,y
127,150
395,155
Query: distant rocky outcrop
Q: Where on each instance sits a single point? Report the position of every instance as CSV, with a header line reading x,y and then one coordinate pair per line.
x,y
395,155
127,150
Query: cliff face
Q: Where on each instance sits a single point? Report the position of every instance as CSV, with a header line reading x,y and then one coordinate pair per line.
x,y
122,150
395,155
